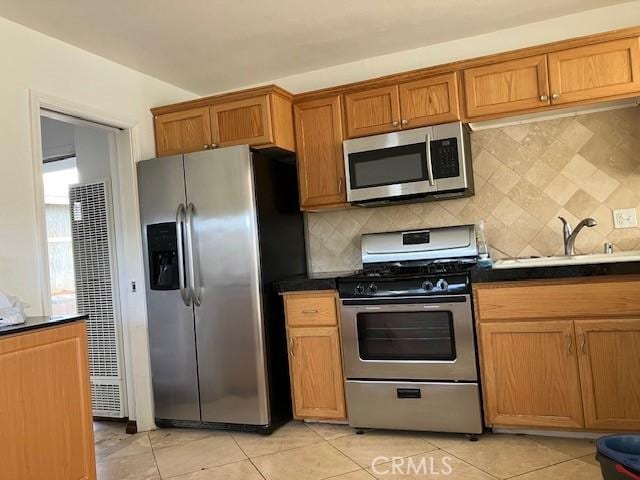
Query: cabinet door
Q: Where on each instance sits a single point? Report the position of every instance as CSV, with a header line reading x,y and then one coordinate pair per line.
x,y
372,111
246,121
182,132
609,356
318,126
316,373
429,101
595,71
45,398
507,86
531,374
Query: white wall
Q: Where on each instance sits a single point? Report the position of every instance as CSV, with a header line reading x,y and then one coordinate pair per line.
x,y
569,26
40,63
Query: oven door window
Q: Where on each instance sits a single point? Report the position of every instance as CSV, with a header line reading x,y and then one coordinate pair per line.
x,y
388,166
406,336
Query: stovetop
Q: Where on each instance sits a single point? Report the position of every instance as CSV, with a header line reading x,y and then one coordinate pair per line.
x,y
422,262
442,278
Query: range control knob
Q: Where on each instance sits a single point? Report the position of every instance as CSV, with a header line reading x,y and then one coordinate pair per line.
x,y
442,285
359,289
427,285
372,289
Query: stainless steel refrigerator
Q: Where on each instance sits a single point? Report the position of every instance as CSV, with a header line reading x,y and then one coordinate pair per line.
x,y
219,227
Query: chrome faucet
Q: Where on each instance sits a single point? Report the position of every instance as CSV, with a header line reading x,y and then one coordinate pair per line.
x,y
570,235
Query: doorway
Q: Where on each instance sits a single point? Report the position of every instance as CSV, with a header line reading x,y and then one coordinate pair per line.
x,y
79,160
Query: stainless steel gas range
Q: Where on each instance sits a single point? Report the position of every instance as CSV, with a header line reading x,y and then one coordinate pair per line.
x,y
407,331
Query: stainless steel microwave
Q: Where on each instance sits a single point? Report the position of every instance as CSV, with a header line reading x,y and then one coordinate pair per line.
x,y
431,163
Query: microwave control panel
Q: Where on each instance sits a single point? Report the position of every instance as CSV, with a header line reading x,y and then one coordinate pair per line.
x,y
444,158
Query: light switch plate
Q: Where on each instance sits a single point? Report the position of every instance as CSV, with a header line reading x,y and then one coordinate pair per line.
x,y
625,218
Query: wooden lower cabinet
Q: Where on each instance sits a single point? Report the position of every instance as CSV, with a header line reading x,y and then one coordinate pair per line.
x,y
316,372
531,374
315,359
45,405
550,367
609,355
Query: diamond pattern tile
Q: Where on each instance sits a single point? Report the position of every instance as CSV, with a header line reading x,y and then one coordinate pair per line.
x,y
525,176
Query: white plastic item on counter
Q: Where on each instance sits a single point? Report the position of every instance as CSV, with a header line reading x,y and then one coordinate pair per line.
x,y
11,310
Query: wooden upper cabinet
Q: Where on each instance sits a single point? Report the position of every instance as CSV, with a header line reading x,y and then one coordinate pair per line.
x,y
183,131
507,86
318,127
609,355
246,121
595,71
531,374
260,117
429,101
372,111
316,373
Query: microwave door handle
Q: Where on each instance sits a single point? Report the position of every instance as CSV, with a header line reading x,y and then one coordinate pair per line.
x,y
429,164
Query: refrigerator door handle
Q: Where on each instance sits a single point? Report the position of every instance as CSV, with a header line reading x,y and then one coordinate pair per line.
x,y
194,274
184,290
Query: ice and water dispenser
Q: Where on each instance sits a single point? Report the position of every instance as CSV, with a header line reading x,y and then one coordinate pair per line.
x,y
163,256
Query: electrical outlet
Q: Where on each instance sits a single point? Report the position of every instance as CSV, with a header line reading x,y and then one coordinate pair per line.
x,y
625,218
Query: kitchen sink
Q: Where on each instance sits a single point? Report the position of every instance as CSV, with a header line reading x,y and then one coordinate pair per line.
x,y
560,260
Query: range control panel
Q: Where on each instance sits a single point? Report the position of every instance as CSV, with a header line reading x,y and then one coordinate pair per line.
x,y
370,287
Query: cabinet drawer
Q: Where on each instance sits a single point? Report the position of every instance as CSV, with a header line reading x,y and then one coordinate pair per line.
x,y
557,299
311,309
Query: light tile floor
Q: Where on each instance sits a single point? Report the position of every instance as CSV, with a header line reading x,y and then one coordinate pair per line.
x,y
300,451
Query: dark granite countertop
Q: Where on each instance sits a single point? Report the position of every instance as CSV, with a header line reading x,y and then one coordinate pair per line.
x,y
479,275
35,323
320,281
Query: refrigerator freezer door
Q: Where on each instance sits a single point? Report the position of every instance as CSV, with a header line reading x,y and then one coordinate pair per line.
x,y
229,322
171,322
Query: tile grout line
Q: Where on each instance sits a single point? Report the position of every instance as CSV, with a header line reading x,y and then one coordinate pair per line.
x,y
470,464
248,458
345,456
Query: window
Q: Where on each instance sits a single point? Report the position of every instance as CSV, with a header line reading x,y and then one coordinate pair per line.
x,y
57,177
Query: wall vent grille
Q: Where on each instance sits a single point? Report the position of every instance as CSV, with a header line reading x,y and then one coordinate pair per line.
x,y
91,231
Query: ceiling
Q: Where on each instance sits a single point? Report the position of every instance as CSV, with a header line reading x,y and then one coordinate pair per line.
x,y
207,46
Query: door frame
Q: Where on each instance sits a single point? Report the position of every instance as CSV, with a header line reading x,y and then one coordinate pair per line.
x,y
129,255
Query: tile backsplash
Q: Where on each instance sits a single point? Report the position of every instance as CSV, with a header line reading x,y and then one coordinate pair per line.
x,y
525,177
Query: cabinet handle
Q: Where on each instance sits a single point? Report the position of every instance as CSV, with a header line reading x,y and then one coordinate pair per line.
x,y
310,311
404,122
583,343
570,343
544,98
395,124
292,347
555,96
340,185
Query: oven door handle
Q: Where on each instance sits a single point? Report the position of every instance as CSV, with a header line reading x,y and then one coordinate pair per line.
x,y
432,181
